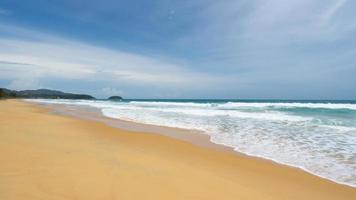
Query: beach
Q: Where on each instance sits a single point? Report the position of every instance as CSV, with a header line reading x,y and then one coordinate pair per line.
x,y
48,156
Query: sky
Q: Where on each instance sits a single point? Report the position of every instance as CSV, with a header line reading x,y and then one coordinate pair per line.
x,y
269,49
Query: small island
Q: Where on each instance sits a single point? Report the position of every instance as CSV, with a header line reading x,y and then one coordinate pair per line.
x,y
116,98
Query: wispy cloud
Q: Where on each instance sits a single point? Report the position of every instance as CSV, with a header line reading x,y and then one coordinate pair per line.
x,y
327,15
5,12
48,56
297,20
274,45
231,48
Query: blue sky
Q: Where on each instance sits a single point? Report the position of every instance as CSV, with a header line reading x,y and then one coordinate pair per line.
x,y
295,49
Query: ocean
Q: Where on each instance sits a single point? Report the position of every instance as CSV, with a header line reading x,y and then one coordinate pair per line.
x,y
316,136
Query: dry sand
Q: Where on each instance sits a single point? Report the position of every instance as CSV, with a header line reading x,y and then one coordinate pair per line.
x,y
46,156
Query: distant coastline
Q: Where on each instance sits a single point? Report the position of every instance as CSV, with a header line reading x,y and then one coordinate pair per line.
x,y
41,93
46,94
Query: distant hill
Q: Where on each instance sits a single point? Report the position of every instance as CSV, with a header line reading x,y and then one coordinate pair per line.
x,y
41,93
115,98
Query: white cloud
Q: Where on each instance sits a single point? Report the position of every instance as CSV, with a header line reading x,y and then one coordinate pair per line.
x,y
297,20
236,48
53,57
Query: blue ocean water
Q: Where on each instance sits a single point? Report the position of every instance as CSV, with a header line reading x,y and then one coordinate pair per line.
x,y
318,136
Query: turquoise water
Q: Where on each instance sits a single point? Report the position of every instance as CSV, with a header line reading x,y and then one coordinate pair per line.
x,y
316,136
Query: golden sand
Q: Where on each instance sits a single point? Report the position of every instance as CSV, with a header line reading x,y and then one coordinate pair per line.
x,y
45,156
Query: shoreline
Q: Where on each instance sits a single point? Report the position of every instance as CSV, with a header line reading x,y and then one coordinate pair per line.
x,y
194,137
50,154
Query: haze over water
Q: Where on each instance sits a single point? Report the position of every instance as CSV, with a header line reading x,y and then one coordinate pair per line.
x,y
317,136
